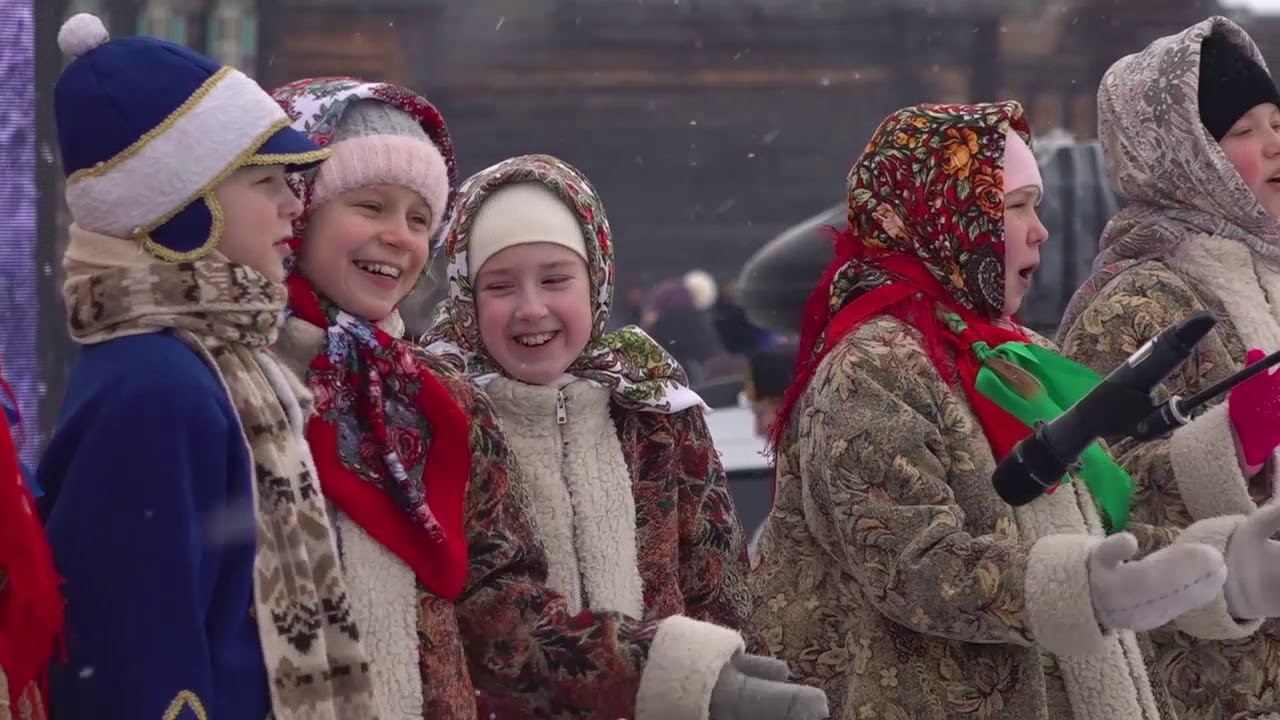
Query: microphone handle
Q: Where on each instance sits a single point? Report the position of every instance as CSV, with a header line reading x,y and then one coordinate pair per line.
x,y
1178,412
1194,402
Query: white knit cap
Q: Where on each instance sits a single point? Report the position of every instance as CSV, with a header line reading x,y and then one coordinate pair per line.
x,y
522,213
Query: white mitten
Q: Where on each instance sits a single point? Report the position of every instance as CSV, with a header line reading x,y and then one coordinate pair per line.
x,y
1143,594
1253,566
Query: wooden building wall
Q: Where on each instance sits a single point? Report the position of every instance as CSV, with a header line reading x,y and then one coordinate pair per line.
x,y
707,127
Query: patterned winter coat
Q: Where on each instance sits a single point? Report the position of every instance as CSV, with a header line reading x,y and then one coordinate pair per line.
x,y
507,635
629,498
1216,251
890,573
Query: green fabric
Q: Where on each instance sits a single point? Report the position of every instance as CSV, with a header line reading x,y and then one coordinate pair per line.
x,y
1065,382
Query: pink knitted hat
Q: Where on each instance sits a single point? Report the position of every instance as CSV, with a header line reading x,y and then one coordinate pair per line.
x,y
377,143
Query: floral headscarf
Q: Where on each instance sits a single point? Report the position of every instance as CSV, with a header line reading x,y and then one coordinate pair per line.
x,y
1174,177
316,106
927,195
930,185
390,442
640,373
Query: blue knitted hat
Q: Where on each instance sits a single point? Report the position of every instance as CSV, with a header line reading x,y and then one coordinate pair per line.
x,y
148,128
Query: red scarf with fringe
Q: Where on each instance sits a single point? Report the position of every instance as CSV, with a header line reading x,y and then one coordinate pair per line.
x,y
31,603
406,488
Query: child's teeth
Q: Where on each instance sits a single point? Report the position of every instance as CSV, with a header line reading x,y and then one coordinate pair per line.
x,y
380,269
533,340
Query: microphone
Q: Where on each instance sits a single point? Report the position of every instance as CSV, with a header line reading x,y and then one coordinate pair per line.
x,y
1178,412
1115,407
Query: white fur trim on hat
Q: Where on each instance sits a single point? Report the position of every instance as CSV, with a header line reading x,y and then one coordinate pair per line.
x,y
144,185
1020,168
522,213
385,160
702,288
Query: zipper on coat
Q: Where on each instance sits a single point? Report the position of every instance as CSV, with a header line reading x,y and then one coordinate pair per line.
x,y
562,419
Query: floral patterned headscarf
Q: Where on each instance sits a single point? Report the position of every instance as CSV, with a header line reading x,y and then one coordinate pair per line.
x,y
930,185
1176,181
641,375
926,214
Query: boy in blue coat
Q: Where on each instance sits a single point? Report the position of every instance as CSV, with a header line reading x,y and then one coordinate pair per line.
x,y
201,575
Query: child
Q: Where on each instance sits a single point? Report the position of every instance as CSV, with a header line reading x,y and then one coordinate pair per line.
x,y
628,494
1189,126
179,442
890,572
446,574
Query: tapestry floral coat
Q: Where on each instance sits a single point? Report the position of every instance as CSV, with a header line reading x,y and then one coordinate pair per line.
x,y
891,575
1207,246
629,497
889,572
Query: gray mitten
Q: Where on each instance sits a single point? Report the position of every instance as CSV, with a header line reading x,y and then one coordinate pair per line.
x,y
1143,594
1253,567
751,687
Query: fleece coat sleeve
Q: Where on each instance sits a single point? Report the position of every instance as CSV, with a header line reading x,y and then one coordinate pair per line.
x,y
1191,479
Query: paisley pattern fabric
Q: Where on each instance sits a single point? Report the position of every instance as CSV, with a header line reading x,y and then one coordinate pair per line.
x,y
886,468
641,374
890,573
1174,177
930,184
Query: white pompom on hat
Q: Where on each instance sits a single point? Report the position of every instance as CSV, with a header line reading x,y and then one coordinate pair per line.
x,y
148,128
81,33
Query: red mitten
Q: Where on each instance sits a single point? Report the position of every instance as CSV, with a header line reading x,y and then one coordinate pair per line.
x,y
1254,409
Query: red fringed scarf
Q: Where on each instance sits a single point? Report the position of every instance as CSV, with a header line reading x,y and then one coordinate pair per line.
x,y
913,296
31,604
420,519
